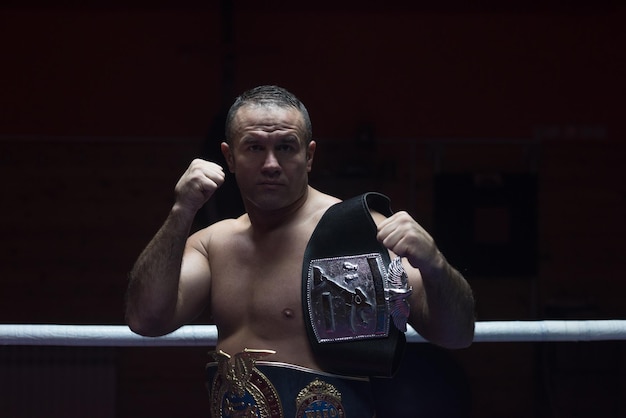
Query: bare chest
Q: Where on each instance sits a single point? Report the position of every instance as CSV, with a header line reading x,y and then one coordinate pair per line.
x,y
257,285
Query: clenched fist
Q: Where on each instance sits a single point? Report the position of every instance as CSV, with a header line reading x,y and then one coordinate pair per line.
x,y
198,184
401,234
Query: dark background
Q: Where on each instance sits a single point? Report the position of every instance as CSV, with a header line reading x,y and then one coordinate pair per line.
x,y
499,127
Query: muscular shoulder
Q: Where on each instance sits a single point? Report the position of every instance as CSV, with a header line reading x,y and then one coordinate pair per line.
x,y
319,202
218,233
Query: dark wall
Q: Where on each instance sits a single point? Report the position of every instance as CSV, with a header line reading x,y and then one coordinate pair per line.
x,y
102,106
410,72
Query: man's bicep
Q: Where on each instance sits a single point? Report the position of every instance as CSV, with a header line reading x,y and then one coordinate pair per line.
x,y
195,283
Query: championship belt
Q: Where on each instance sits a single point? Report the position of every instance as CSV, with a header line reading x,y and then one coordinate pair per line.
x,y
354,296
244,385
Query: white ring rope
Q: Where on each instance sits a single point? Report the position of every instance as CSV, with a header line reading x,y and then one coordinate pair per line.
x,y
206,335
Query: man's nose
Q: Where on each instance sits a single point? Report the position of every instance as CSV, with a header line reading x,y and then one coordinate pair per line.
x,y
271,162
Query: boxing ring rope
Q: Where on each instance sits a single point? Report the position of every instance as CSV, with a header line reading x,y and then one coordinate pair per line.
x,y
206,335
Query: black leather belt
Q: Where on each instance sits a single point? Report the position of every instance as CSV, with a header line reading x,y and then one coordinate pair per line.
x,y
345,309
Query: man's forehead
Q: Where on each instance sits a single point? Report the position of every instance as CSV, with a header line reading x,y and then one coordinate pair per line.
x,y
262,115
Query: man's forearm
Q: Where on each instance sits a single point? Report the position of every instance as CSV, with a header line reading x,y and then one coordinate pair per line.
x,y
450,307
153,287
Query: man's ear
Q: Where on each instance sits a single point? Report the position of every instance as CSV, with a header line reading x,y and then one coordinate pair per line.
x,y
310,152
228,156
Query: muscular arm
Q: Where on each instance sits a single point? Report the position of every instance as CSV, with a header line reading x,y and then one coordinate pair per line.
x,y
443,308
170,280
442,304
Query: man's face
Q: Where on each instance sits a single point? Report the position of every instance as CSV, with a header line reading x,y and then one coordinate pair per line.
x,y
269,156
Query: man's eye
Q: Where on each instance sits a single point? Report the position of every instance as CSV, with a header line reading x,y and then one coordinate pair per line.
x,y
285,147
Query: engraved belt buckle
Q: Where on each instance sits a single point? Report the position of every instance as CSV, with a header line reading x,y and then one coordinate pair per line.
x,y
319,399
349,298
239,389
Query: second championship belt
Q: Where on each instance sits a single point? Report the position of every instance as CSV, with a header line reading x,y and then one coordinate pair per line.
x,y
354,296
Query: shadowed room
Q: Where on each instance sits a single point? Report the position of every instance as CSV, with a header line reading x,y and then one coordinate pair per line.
x,y
498,127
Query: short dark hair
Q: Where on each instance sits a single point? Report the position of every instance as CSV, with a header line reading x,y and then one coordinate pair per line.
x,y
268,95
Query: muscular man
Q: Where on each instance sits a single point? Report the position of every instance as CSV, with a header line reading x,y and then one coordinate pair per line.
x,y
247,271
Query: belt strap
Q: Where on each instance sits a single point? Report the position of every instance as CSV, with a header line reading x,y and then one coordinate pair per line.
x,y
347,229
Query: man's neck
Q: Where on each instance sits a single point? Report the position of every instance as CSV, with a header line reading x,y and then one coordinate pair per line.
x,y
268,220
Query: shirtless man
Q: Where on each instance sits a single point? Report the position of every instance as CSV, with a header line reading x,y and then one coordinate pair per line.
x,y
247,271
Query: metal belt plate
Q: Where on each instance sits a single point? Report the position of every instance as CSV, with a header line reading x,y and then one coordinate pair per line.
x,y
239,389
346,298
319,399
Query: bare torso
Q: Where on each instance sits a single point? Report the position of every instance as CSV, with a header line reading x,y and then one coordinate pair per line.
x,y
256,284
